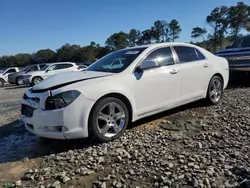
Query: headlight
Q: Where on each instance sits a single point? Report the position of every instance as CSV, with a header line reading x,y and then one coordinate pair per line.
x,y
61,100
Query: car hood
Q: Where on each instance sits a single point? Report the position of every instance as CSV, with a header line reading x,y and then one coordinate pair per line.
x,y
62,79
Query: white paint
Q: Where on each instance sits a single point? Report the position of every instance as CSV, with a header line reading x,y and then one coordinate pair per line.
x,y
153,91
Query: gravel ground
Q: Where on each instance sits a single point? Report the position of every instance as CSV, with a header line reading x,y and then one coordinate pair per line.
x,y
192,146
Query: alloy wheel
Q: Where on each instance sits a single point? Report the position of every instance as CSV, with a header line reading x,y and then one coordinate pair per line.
x,y
110,119
216,90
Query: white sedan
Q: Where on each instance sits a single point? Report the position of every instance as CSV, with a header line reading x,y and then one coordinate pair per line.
x,y
122,87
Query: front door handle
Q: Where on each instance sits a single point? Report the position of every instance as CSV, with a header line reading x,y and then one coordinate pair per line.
x,y
174,71
205,65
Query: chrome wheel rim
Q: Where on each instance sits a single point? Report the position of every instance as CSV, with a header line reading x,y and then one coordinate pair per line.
x,y
110,119
37,80
216,90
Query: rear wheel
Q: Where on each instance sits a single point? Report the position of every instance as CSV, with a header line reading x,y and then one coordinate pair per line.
x,y
109,119
36,80
1,82
215,90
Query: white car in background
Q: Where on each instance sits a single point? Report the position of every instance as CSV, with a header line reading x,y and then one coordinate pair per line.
x,y
104,99
35,77
4,75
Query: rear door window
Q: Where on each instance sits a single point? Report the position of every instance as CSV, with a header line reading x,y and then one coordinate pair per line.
x,y
63,66
186,54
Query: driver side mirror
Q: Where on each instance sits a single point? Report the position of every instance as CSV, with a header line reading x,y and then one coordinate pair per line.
x,y
148,64
46,71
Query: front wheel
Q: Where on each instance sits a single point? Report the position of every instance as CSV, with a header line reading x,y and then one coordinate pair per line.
x,y
36,80
19,81
109,119
215,90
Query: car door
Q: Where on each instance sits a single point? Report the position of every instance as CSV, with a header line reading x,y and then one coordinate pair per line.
x,y
51,70
158,88
7,72
194,70
32,68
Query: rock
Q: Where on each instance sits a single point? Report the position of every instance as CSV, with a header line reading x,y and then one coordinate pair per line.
x,y
199,145
56,184
66,179
103,185
25,159
164,163
118,184
131,172
191,164
227,173
170,165
18,183
101,160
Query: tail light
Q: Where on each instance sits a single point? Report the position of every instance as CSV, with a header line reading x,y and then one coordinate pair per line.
x,y
78,68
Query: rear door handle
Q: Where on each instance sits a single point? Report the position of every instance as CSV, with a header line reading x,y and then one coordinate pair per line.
x,y
174,71
205,65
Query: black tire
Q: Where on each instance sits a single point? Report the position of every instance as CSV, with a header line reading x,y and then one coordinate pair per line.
x,y
17,80
210,100
1,82
93,127
34,80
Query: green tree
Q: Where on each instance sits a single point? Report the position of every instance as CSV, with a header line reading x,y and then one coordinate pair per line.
x,y
219,22
238,18
43,56
133,37
23,59
161,31
198,32
174,30
146,37
117,41
67,52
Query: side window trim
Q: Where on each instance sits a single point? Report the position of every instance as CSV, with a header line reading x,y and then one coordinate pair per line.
x,y
151,51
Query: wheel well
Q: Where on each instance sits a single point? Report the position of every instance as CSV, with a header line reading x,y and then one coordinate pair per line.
x,y
37,77
122,98
2,80
218,74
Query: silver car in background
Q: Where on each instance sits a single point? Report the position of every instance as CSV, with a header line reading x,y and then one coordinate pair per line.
x,y
17,78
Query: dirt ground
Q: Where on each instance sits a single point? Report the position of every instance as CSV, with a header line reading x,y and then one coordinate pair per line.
x,y
21,150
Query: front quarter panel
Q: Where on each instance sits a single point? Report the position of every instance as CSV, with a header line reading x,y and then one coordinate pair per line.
x,y
94,89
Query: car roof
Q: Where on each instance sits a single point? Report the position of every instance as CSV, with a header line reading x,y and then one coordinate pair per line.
x,y
162,44
62,62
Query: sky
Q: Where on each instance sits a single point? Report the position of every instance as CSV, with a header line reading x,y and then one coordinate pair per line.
x,y
30,25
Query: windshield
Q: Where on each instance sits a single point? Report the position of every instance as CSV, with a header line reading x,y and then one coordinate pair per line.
x,y
242,42
117,61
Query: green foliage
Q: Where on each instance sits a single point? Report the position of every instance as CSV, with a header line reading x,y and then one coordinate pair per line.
x,y
174,30
198,32
238,18
43,56
118,41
